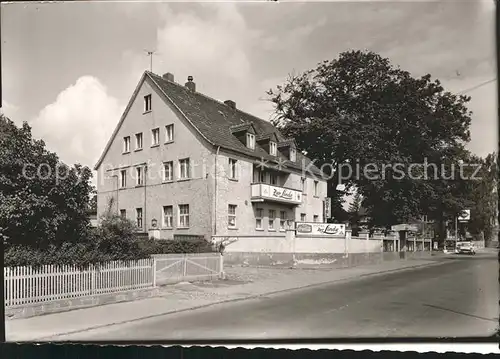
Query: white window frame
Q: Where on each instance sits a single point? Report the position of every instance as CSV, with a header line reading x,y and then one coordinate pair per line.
x,y
123,213
139,179
169,133
148,103
283,219
137,217
316,188
155,140
271,220
233,168
272,148
126,144
187,168
170,165
250,141
259,215
168,219
315,218
304,184
293,154
303,217
231,215
183,216
139,138
123,178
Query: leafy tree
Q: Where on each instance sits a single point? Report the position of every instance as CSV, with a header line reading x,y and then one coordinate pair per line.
x,y
93,204
354,213
42,200
355,205
484,199
359,111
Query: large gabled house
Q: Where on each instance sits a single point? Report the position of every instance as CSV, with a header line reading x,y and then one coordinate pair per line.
x,y
184,164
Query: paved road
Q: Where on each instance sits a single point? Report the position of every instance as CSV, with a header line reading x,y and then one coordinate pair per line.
x,y
456,298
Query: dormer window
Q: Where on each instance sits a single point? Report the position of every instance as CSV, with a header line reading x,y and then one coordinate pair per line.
x,y
251,141
293,154
272,148
147,103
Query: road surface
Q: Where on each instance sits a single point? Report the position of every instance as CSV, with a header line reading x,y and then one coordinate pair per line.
x,y
456,298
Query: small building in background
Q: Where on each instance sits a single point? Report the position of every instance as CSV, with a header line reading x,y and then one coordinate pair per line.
x,y
93,218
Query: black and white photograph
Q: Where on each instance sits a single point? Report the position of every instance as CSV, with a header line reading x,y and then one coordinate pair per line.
x,y
249,171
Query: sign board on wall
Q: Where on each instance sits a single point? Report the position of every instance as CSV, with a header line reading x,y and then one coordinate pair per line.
x,y
320,229
328,207
278,193
404,227
464,216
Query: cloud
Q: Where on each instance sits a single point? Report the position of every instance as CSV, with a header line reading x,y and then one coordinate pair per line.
x,y
214,48
211,42
8,109
78,124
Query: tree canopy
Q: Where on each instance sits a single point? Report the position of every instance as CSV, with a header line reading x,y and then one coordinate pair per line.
x,y
359,111
484,199
42,200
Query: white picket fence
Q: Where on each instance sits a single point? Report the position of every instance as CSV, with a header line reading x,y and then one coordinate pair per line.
x,y
27,285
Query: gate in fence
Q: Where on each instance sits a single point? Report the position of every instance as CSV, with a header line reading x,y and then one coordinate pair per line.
x,y
27,285
173,268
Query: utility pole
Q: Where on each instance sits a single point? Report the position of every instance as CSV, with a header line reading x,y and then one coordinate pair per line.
x,y
456,231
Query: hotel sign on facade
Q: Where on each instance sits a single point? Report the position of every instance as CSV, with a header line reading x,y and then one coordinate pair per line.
x,y
268,192
320,229
327,210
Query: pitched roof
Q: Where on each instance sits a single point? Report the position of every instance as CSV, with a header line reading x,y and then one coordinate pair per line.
x,y
240,127
214,119
266,136
216,122
288,142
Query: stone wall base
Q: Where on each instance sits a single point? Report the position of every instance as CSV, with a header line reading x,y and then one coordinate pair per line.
x,y
317,260
31,310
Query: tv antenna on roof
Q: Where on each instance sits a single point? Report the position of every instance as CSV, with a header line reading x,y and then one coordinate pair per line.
x,y
150,53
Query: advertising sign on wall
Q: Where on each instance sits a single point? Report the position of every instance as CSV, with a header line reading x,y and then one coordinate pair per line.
x,y
464,216
277,193
320,229
328,207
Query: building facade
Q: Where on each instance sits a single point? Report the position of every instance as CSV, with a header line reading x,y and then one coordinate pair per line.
x,y
183,164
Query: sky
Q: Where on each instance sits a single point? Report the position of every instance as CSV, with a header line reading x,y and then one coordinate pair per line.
x,y
69,69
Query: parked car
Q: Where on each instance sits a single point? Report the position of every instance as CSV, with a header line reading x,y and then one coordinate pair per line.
x,y
465,248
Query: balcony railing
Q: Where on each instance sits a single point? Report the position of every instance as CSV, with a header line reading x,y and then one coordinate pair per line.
x,y
264,192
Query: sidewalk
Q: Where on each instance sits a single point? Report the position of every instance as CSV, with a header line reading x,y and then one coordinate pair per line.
x,y
241,283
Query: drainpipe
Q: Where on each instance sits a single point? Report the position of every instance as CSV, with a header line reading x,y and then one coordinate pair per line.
x,y
215,191
144,221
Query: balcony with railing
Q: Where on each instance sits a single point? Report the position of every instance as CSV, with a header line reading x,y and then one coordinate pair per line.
x,y
262,192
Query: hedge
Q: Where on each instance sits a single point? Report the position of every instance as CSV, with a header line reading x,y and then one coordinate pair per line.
x,y
84,254
114,239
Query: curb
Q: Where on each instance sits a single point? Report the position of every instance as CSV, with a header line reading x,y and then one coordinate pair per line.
x,y
254,296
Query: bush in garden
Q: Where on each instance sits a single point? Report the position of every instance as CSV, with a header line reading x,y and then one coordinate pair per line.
x,y
150,246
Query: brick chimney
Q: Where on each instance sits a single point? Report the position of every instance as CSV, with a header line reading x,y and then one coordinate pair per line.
x,y
168,76
190,84
230,103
